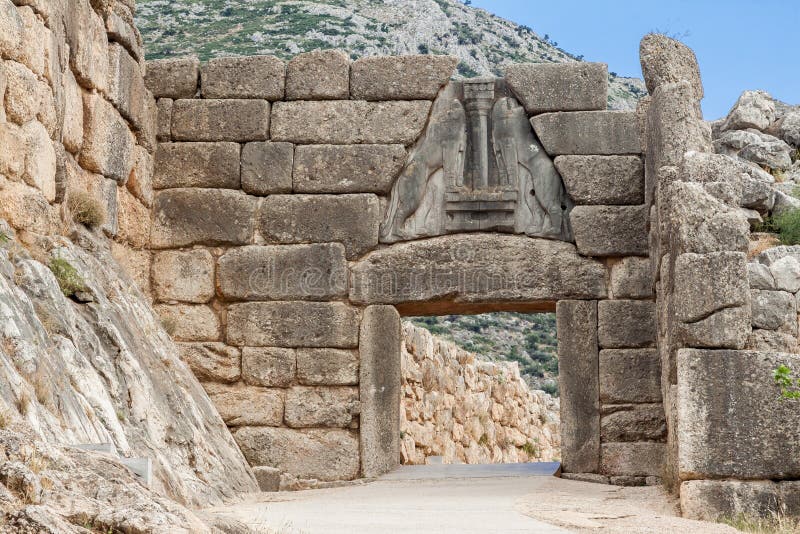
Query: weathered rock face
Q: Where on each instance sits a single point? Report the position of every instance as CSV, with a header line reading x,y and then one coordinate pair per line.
x,y
470,411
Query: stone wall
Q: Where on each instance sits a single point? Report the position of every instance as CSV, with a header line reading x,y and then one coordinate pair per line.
x,y
719,397
271,183
470,411
85,360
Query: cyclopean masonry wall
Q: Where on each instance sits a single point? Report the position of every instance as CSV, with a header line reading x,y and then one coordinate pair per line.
x,y
302,208
732,444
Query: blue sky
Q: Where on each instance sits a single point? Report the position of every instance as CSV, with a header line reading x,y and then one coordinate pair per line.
x,y
739,44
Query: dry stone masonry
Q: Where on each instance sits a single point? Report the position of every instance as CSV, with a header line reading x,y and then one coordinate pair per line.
x,y
282,217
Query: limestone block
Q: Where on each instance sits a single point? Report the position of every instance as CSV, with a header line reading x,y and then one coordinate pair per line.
x,y
121,29
309,407
107,140
706,283
665,60
327,367
675,126
630,375
769,341
631,278
11,30
197,165
267,168
626,323
102,190
283,272
133,219
347,168
268,366
774,310
610,230
543,87
88,45
458,271
578,371
727,328
609,180
321,454
164,119
708,500
173,78
212,362
40,160
188,322
268,478
34,36
318,75
140,181
24,207
416,77
379,384
240,406
3,85
588,132
22,95
12,157
244,77
722,395
183,217
633,422
343,122
632,459
352,220
126,88
220,120
700,223
183,275
293,324
72,130
786,273
753,109
760,276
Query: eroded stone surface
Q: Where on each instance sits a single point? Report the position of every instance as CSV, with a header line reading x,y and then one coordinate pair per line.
x,y
197,165
349,122
185,275
543,87
220,120
626,323
603,180
610,230
173,78
630,375
634,459
633,422
588,132
460,270
244,77
268,366
212,361
245,405
315,407
267,168
347,169
400,77
318,75
327,367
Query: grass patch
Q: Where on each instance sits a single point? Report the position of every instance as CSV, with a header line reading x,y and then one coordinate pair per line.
x,y
484,440
777,524
530,449
787,224
67,276
86,209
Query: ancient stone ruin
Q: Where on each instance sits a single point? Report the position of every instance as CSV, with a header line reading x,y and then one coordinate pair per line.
x,y
282,217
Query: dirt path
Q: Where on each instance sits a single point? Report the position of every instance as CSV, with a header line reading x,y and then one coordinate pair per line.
x,y
541,505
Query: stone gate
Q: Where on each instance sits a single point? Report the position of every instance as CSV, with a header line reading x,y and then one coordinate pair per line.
x,y
295,221
302,208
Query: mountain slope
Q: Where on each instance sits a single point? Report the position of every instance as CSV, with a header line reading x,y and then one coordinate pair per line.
x,y
483,42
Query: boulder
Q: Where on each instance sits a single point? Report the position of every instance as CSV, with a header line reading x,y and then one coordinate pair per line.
x,y
416,77
709,500
666,60
603,180
107,141
318,75
774,310
753,109
588,132
774,154
790,128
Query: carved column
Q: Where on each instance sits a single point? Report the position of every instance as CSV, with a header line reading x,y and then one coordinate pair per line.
x,y
479,97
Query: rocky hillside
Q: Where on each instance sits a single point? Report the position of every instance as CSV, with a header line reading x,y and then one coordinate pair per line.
x,y
528,339
483,42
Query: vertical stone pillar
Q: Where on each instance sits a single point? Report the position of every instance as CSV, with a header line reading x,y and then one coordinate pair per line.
x,y
578,373
379,379
479,97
